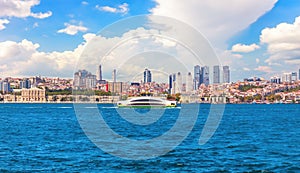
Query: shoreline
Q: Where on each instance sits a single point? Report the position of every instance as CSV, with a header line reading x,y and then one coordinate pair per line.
x,y
115,103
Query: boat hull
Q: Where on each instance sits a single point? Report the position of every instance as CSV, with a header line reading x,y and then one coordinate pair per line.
x,y
146,102
145,106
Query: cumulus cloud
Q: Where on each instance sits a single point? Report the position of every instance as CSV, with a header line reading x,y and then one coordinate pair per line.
x,y
41,15
123,8
283,43
73,29
242,48
24,59
265,69
21,9
218,21
129,53
3,22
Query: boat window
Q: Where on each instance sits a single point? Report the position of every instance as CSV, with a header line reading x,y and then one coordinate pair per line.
x,y
145,100
143,104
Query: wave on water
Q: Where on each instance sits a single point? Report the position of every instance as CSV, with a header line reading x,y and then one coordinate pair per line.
x,y
91,107
110,107
32,107
64,107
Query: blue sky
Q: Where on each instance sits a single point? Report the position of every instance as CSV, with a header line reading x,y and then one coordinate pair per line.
x,y
42,36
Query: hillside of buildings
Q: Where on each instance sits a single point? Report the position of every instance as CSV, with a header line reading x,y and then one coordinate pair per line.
x,y
196,88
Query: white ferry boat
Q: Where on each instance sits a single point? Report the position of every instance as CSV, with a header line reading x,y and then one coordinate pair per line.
x,y
146,102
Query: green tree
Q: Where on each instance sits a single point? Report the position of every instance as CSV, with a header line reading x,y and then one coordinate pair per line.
x,y
257,97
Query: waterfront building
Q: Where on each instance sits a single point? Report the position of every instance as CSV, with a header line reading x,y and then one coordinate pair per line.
x,y
205,75
147,76
197,77
99,73
33,95
216,74
107,99
226,74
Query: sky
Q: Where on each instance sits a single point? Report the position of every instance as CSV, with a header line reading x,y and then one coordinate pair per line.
x,y
51,37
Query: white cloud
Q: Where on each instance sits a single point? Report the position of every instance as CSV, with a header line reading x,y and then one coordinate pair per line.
x,y
24,59
3,22
123,8
265,69
72,29
246,69
218,21
283,43
257,60
128,54
21,9
41,15
242,48
35,25
84,3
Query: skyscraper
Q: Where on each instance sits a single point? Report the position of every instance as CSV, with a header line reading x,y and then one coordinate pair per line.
x,y
173,83
84,80
226,74
216,74
114,75
5,86
294,76
170,83
204,78
178,83
147,76
189,83
90,81
25,83
99,73
197,76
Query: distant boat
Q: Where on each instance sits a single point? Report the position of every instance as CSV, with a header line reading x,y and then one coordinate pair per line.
x,y
146,102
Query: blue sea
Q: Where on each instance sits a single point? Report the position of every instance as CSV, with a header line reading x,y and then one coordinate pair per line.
x,y
50,138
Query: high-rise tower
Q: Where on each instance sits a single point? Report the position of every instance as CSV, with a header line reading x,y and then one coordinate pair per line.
x,y
147,76
99,73
114,75
197,77
216,74
226,74
204,78
189,83
178,83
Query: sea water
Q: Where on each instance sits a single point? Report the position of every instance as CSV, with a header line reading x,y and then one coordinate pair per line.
x,y
49,137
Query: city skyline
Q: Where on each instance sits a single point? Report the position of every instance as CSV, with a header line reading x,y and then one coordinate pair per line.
x,y
256,41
